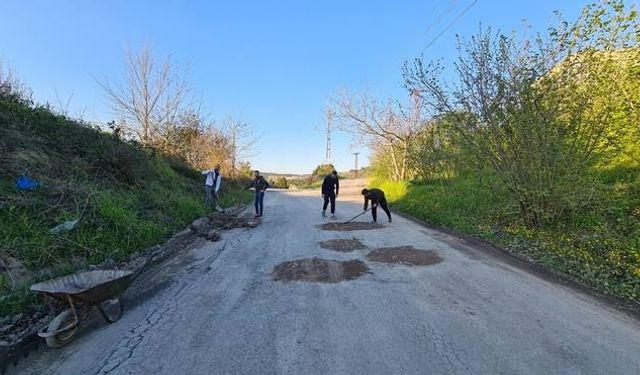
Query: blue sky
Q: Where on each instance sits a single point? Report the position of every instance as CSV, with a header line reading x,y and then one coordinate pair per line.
x,y
273,63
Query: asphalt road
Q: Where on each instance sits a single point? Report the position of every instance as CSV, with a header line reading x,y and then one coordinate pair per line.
x,y
221,312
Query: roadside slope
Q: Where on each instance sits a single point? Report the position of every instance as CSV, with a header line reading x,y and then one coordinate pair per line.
x,y
125,198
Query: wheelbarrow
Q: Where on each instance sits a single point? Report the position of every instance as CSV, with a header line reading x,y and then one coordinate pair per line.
x,y
82,291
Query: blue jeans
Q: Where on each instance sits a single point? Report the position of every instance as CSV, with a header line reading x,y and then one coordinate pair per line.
x,y
259,203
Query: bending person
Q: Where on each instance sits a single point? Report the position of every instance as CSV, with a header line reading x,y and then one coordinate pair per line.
x,y
376,196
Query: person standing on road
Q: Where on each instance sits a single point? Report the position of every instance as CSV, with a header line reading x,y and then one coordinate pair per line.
x,y
212,183
330,188
376,196
260,185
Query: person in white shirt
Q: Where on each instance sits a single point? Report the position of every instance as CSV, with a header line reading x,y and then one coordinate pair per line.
x,y
213,180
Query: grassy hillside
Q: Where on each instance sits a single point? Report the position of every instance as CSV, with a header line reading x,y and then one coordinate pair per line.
x,y
598,245
125,197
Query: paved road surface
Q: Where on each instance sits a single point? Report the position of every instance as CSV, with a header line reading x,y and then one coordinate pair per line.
x,y
470,314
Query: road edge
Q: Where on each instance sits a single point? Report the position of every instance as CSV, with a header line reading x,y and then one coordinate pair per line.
x,y
473,243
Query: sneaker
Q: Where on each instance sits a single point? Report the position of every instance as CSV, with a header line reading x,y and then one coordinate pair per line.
x,y
324,214
389,220
256,215
333,217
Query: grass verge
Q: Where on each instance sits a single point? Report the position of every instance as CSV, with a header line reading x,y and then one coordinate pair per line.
x,y
598,245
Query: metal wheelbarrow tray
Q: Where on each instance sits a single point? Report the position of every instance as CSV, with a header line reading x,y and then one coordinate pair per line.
x,y
83,290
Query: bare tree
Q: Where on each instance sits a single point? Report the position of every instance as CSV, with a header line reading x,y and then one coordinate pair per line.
x,y
386,127
242,141
149,98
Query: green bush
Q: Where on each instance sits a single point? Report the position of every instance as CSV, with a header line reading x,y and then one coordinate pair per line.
x,y
279,183
322,170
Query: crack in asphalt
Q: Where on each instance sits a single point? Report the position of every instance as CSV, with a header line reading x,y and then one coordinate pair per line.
x,y
132,340
157,317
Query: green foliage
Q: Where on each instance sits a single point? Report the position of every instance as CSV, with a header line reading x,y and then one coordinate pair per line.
x,y
434,153
538,114
279,183
305,183
233,193
322,170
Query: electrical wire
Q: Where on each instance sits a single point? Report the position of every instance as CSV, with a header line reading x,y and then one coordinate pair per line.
x,y
450,25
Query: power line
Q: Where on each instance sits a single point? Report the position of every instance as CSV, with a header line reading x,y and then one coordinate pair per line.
x,y
440,17
450,25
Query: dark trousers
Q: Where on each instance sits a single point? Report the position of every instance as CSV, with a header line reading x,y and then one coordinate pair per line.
x,y
329,197
374,210
259,203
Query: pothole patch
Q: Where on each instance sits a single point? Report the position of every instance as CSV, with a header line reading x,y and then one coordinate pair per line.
x,y
342,245
344,227
404,255
319,270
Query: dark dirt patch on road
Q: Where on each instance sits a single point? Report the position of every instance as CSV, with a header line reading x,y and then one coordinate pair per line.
x,y
404,255
342,245
344,227
231,219
319,270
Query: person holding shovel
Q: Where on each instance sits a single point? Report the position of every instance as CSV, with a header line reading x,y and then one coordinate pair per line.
x,y
330,188
260,185
376,196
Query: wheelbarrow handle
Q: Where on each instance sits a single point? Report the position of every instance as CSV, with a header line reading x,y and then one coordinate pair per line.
x,y
146,263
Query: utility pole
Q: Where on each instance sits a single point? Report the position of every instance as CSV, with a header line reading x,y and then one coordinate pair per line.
x,y
329,130
356,155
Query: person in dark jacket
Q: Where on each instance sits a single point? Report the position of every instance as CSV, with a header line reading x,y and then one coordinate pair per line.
x,y
376,196
260,185
330,189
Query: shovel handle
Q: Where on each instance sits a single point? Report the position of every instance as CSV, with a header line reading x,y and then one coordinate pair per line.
x,y
357,216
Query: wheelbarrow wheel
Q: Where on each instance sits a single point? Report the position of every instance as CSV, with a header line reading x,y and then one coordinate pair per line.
x,y
62,320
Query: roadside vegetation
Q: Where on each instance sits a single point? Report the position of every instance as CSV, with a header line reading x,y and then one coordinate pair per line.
x,y
314,180
532,143
127,192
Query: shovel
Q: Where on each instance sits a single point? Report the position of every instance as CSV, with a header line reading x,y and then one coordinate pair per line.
x,y
357,216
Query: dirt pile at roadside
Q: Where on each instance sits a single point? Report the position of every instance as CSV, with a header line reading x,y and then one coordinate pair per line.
x,y
345,227
229,220
342,245
404,255
319,270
